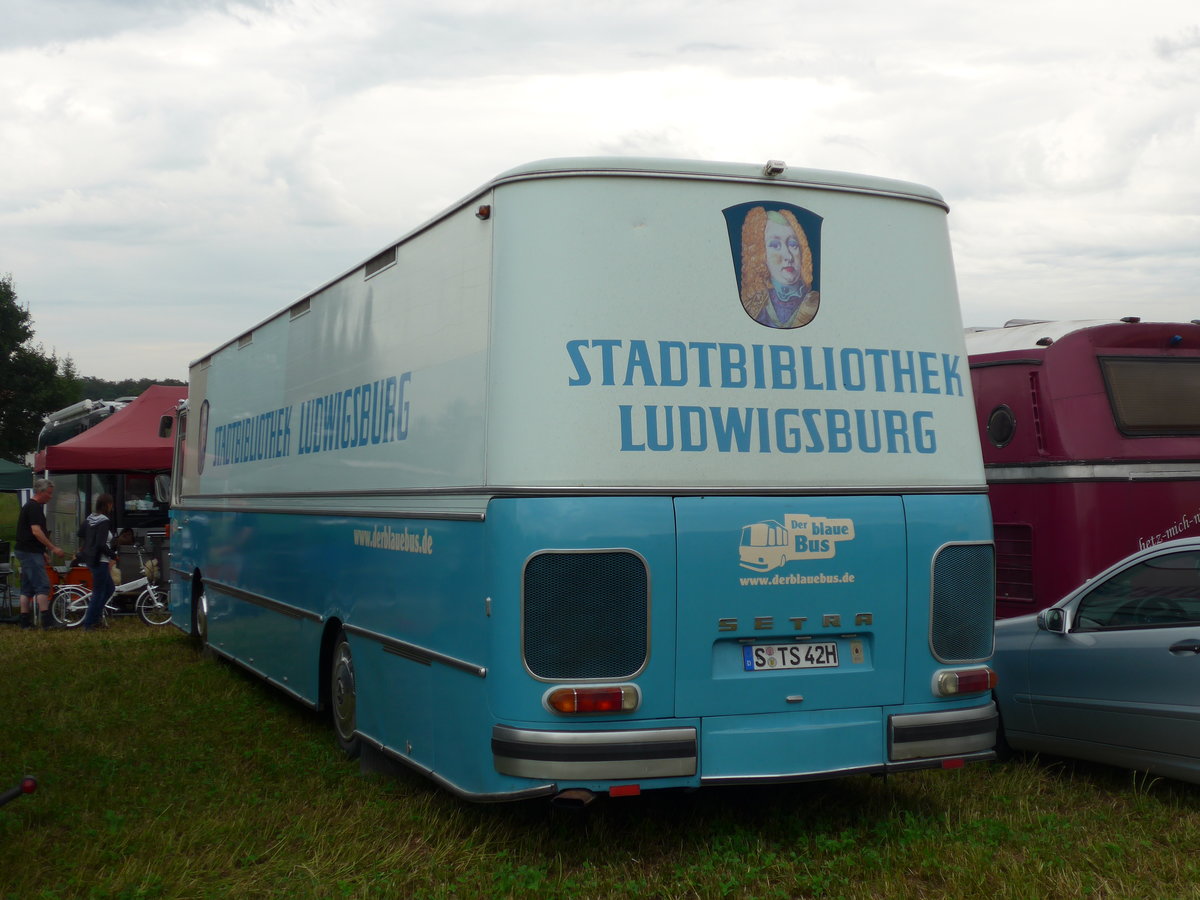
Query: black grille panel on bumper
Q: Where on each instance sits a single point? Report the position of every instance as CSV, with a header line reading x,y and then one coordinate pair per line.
x,y
586,614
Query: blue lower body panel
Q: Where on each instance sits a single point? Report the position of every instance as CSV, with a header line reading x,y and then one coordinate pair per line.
x,y
790,744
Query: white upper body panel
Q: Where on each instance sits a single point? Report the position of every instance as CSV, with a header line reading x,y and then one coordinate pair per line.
x,y
650,325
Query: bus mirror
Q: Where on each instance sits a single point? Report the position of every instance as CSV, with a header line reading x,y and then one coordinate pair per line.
x,y
1053,620
164,426
162,488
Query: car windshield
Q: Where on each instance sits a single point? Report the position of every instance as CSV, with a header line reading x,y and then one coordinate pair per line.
x,y
1162,591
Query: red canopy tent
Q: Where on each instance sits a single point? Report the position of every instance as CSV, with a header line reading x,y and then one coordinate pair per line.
x,y
127,441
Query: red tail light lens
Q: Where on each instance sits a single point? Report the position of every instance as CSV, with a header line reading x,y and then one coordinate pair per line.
x,y
608,699
950,682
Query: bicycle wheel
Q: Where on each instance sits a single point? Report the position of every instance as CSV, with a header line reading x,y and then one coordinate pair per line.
x,y
70,604
152,607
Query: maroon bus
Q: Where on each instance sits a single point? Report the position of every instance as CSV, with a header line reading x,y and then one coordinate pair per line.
x,y
1091,446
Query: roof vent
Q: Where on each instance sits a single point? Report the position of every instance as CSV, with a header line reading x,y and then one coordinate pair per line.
x,y
774,167
379,262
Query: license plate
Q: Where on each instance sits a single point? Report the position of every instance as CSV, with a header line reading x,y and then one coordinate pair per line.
x,y
765,657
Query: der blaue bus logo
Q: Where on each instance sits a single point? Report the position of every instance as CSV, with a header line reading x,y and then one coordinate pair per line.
x,y
771,544
776,255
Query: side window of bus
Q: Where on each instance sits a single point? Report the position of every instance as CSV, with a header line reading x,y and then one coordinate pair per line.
x,y
1160,592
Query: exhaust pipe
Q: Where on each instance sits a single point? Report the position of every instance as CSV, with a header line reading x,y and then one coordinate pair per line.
x,y
573,798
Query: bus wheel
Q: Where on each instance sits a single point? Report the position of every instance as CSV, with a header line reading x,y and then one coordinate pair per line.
x,y
200,620
343,698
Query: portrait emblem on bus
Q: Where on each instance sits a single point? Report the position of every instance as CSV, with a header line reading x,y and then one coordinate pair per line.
x,y
772,544
202,438
776,251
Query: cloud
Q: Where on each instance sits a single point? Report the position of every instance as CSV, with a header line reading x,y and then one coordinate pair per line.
x,y
216,160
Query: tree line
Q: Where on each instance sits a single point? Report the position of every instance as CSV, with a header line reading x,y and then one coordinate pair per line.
x,y
35,382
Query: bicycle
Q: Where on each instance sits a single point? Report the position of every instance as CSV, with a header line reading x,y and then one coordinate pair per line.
x,y
65,582
67,585
150,604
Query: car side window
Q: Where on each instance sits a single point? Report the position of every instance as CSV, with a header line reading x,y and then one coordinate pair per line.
x,y
1160,592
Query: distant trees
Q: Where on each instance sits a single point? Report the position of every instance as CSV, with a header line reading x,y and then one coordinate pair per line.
x,y
99,389
33,382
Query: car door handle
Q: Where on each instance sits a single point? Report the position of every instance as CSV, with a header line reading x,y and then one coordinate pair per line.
x,y
1189,646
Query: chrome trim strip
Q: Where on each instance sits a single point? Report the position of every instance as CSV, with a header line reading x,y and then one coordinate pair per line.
x,y
1083,470
359,513
992,363
593,739
184,574
415,652
986,711
278,606
790,777
943,734
494,492
1087,705
595,755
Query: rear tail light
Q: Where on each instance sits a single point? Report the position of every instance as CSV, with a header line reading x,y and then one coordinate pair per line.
x,y
951,682
583,700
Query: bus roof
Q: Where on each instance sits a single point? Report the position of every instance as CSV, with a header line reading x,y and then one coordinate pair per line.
x,y
1023,334
771,170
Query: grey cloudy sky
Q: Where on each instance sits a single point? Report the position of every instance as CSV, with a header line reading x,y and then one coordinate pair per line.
x,y
173,172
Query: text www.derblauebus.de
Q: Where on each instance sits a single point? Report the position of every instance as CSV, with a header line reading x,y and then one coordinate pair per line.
x,y
763,580
401,541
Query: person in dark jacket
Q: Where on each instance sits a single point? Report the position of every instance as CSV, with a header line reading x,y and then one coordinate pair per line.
x,y
97,550
33,543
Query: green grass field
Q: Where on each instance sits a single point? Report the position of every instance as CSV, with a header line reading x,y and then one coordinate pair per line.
x,y
166,774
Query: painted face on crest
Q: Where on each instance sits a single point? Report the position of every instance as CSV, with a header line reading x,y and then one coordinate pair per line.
x,y
783,253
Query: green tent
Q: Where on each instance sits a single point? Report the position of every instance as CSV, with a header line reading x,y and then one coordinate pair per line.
x,y
14,477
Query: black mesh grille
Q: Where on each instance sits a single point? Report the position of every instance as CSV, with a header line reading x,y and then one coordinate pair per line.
x,y
964,593
586,615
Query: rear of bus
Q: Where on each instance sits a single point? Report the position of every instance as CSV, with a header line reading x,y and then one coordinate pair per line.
x,y
738,530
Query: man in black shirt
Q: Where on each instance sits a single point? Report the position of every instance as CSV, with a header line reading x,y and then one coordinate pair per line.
x,y
33,542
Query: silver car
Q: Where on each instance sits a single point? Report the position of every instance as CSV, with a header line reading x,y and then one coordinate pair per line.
x,y
1111,673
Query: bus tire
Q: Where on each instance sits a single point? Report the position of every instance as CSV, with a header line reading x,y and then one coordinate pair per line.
x,y
200,621
343,698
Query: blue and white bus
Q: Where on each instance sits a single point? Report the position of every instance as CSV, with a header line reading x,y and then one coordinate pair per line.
x,y
619,474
